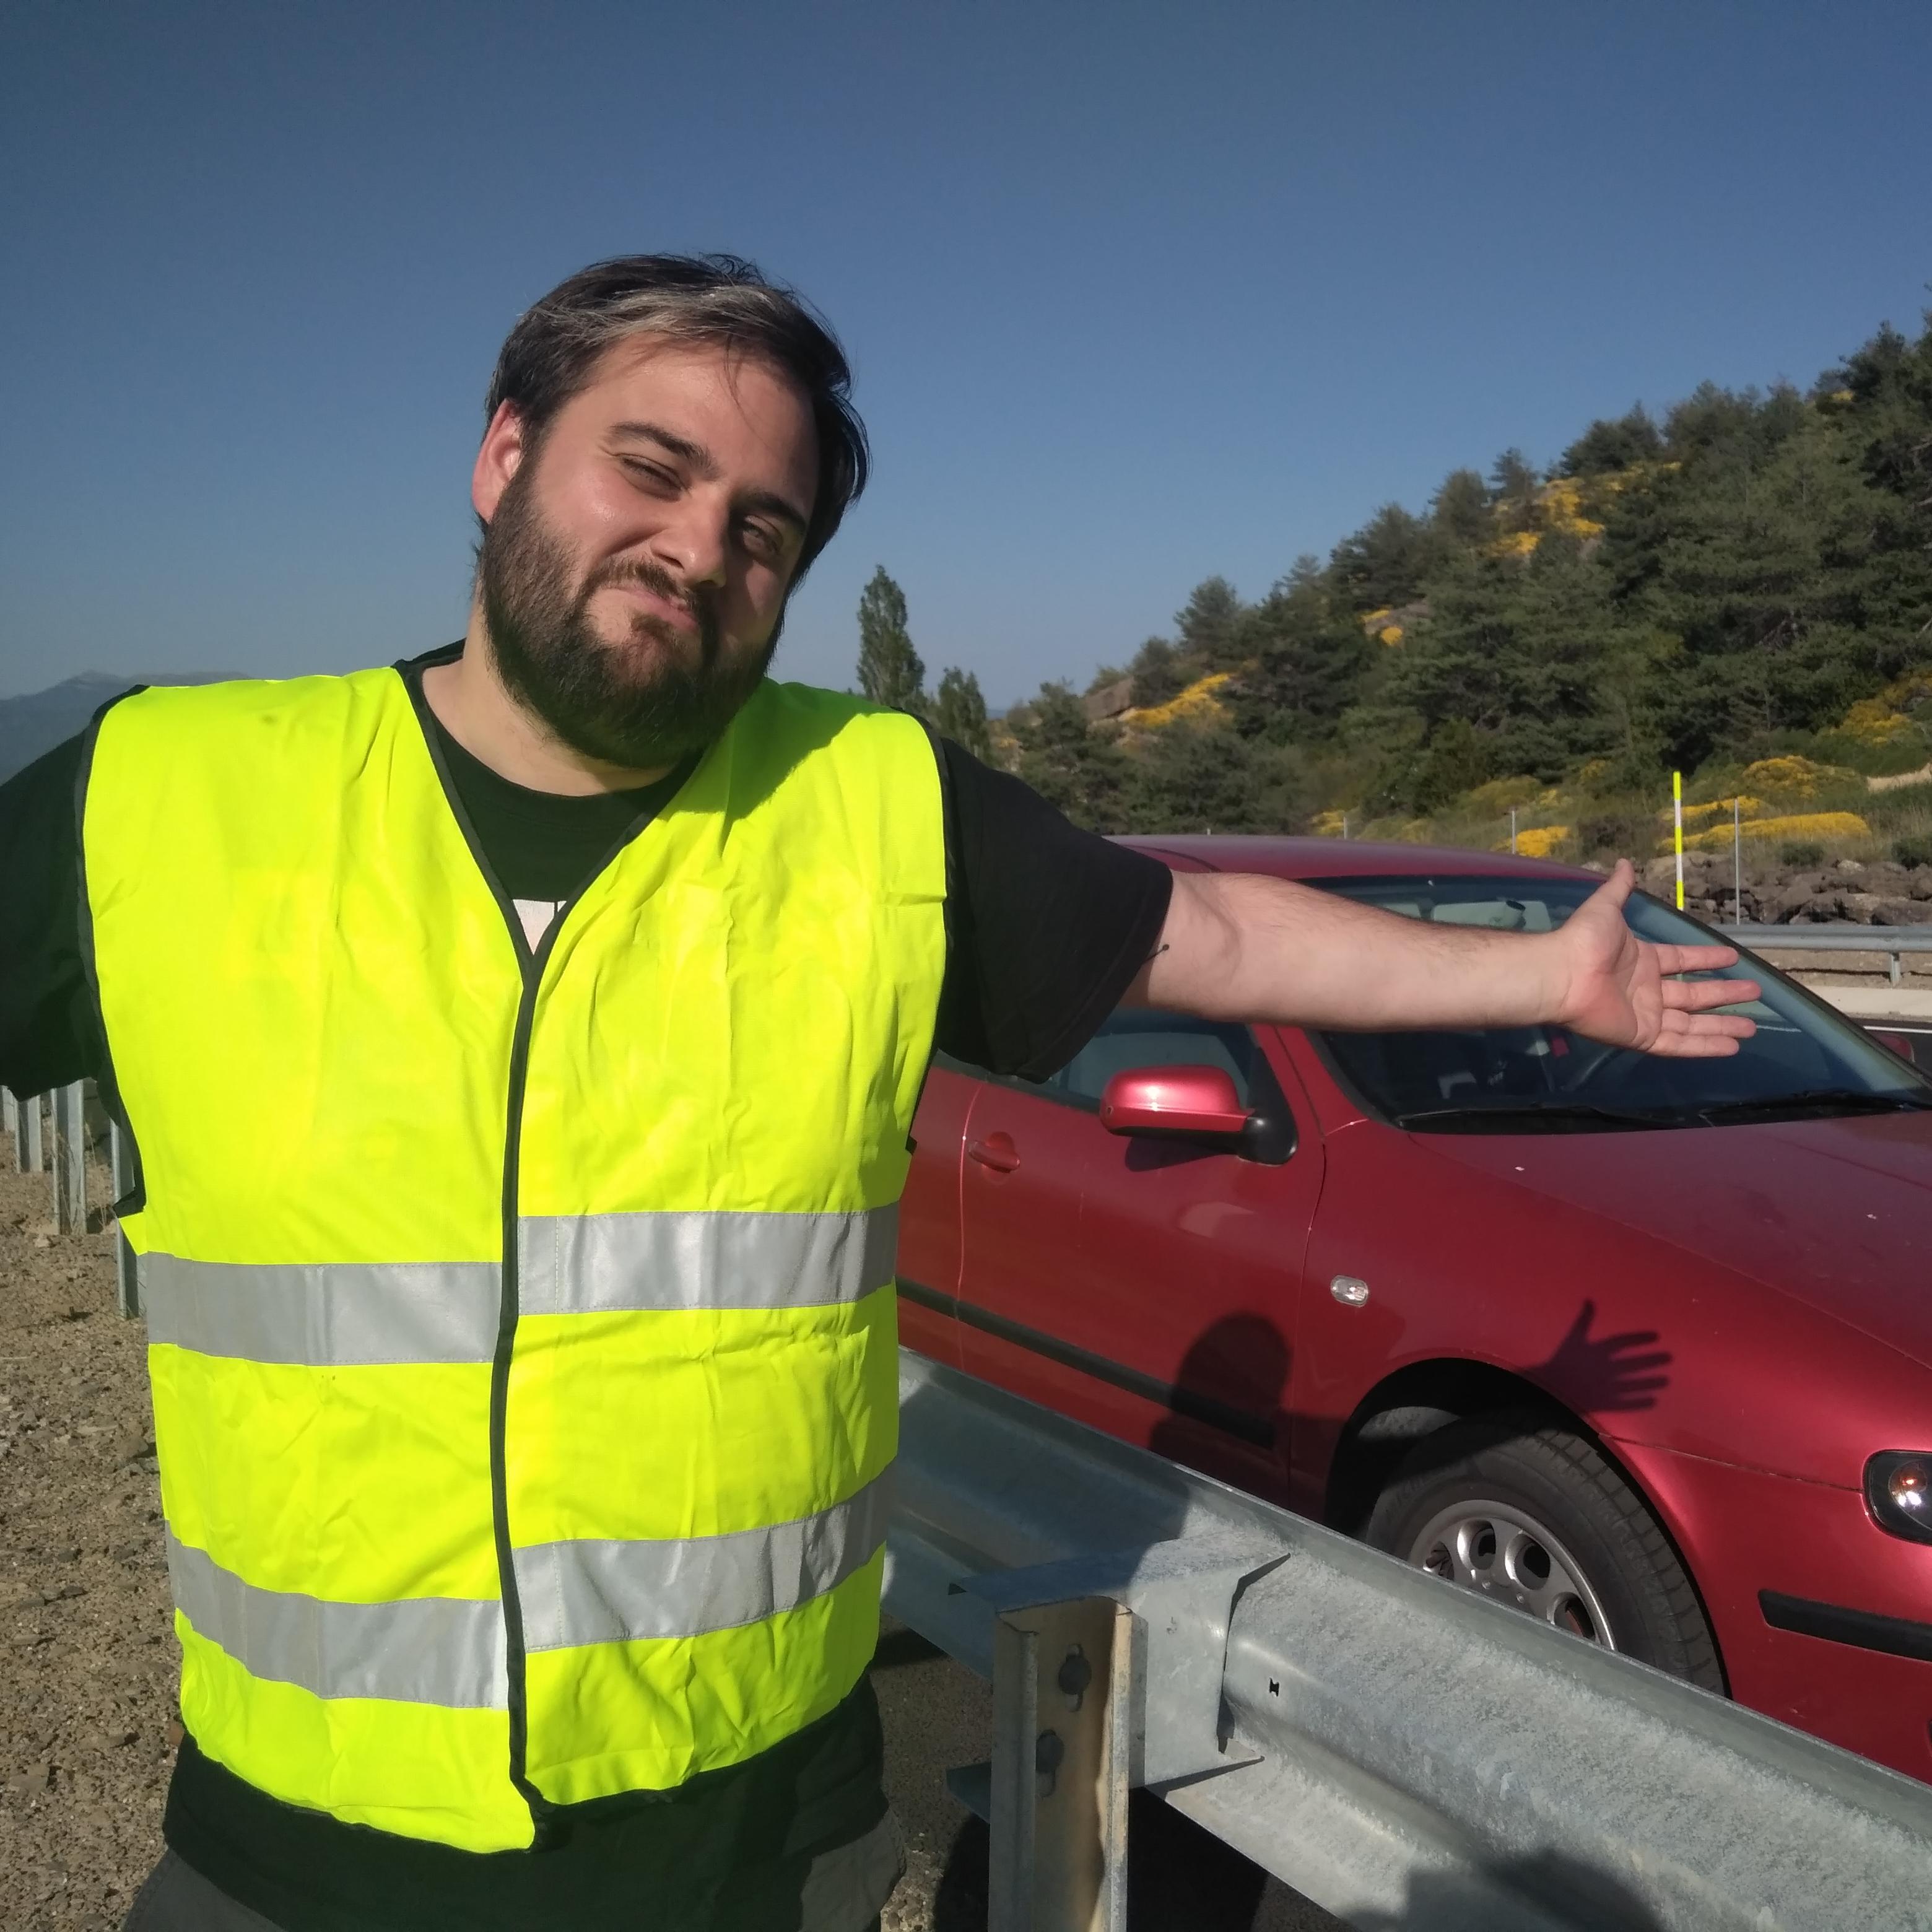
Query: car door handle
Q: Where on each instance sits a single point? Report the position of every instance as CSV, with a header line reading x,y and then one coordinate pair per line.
x,y
996,1151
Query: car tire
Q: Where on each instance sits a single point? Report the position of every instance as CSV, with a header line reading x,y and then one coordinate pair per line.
x,y
1535,1516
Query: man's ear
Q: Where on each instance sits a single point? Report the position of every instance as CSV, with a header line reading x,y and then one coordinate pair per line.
x,y
501,454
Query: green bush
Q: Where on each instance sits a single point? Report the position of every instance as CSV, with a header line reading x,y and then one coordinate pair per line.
x,y
1912,851
1804,856
1628,834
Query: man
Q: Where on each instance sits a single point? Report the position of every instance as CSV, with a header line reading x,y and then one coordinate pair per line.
x,y
519,1046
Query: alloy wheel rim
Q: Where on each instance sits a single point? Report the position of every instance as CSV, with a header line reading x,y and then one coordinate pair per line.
x,y
1502,1552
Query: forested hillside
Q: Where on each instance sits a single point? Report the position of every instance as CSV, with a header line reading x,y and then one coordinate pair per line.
x,y
1741,588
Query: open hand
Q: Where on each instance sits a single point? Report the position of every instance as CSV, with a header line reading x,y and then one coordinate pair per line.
x,y
1619,987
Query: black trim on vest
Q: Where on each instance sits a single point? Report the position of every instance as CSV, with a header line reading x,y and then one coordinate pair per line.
x,y
549,1820
106,1085
1244,1425
948,835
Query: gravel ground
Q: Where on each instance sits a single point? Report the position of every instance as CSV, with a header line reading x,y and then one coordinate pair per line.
x,y
88,1659
88,1664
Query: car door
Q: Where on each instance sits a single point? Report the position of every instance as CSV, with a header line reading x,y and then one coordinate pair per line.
x,y
927,1266
1147,1286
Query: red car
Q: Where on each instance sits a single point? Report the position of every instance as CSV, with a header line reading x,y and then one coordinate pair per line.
x,y
1643,1347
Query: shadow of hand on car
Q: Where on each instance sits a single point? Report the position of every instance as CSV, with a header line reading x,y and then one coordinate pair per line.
x,y
1609,1375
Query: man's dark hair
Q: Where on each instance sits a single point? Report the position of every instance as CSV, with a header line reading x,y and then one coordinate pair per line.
x,y
719,300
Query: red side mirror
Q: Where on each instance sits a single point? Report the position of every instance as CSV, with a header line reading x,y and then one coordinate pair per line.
x,y
1900,1043
1172,1099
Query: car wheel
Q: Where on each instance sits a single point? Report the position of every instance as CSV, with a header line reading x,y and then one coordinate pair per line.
x,y
1534,1516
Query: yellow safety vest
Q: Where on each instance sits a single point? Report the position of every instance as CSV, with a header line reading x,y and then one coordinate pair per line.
x,y
521,1328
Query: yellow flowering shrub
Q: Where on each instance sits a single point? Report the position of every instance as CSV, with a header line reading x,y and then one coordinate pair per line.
x,y
1817,828
1701,815
1390,634
1537,841
1561,502
1798,777
1328,824
1872,721
1199,704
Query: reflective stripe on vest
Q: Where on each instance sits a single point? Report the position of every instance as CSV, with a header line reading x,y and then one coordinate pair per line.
x,y
440,1650
427,1650
601,1592
344,1313
521,1331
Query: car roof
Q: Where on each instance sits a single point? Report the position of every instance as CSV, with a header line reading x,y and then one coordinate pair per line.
x,y
1349,858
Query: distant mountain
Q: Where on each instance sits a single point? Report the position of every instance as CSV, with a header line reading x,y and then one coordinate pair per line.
x,y
38,721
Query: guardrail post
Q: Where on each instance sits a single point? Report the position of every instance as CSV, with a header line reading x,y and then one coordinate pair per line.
x,y
128,1283
1063,1752
27,1158
70,1161
10,1114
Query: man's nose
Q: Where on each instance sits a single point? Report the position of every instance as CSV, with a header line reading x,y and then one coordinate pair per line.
x,y
694,540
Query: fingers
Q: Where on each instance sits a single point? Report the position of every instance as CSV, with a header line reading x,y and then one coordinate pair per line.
x,y
1708,1026
1692,1046
1698,996
1694,958
1702,1035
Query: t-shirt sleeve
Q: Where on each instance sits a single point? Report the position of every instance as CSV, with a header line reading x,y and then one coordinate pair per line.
x,y
47,1025
1047,925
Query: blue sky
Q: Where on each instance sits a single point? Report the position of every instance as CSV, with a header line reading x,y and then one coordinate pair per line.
x,y
1135,292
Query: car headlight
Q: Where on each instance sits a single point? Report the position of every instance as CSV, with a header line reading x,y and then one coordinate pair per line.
x,y
1898,1493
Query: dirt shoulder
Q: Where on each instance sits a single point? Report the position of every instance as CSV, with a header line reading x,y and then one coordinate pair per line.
x,y
88,1663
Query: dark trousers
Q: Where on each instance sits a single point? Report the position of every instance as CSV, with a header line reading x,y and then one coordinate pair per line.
x,y
177,1898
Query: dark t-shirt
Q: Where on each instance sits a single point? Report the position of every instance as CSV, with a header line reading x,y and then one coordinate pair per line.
x,y
1046,925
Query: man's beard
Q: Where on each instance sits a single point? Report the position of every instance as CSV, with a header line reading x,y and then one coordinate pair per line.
x,y
642,704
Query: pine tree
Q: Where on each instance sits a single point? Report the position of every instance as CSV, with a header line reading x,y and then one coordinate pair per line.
x,y
1459,512
1206,626
1514,484
1155,673
961,711
1386,561
890,670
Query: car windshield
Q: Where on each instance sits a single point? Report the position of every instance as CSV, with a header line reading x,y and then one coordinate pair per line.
x,y
1803,1059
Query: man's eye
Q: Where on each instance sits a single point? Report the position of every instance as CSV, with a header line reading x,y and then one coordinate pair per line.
x,y
649,474
763,541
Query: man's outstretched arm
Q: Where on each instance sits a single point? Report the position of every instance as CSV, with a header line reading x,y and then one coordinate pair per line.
x,y
1239,946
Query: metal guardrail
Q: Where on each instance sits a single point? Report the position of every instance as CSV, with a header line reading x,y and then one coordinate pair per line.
x,y
1895,941
62,1148
1402,1752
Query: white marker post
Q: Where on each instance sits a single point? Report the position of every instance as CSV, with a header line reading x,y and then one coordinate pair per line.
x,y
1677,798
1737,864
